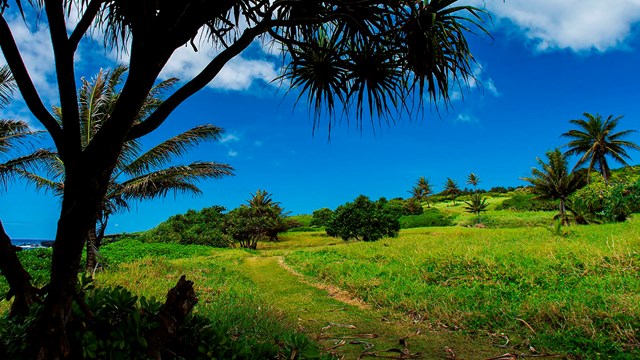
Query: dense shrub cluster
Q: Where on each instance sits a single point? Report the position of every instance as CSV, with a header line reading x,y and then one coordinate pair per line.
x,y
202,227
430,217
364,220
612,202
526,202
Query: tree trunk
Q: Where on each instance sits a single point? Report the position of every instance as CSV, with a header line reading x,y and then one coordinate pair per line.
x,y
563,213
24,294
180,301
92,249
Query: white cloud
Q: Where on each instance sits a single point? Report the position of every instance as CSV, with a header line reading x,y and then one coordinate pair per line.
x,y
578,25
37,54
466,118
229,138
232,153
238,74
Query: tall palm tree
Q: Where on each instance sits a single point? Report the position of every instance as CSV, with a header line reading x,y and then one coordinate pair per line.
x,y
473,180
421,190
554,181
595,140
451,189
138,175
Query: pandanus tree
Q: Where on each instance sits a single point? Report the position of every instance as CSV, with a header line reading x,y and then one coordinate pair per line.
x,y
371,55
595,139
138,175
554,181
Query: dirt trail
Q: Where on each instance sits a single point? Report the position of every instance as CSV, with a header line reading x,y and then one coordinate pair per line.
x,y
349,327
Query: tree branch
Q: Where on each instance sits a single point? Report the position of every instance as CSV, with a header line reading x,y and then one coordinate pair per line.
x,y
25,84
85,22
65,74
196,84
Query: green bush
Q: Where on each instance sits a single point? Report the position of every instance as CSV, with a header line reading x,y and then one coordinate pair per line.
x,y
430,217
525,202
120,320
608,203
321,217
202,227
363,220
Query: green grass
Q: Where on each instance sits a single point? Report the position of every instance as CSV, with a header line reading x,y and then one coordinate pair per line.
x,y
579,294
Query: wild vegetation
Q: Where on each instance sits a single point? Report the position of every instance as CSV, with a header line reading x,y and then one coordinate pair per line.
x,y
466,266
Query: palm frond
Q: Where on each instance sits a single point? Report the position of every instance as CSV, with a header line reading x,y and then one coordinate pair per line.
x,y
176,179
7,86
177,146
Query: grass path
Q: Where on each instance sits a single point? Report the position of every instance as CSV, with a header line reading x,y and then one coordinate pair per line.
x,y
350,329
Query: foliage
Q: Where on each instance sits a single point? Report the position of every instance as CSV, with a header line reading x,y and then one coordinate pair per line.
x,y
612,202
247,225
595,140
363,220
321,217
203,227
473,180
554,181
15,138
421,190
451,190
522,201
430,217
476,205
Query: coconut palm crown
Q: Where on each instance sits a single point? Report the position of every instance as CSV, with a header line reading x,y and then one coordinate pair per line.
x,y
554,181
595,140
138,175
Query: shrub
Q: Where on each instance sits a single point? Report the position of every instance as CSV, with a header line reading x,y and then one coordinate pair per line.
x,y
430,217
525,202
608,203
120,320
321,217
202,227
363,220
248,225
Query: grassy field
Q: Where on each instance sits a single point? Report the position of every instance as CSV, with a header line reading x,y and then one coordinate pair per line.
x,y
577,294
437,292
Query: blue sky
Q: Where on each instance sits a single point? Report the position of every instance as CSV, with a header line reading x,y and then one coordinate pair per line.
x,y
548,62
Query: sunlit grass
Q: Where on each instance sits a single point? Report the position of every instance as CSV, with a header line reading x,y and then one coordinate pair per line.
x,y
579,293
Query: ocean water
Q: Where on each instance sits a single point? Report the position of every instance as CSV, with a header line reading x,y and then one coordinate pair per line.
x,y
31,242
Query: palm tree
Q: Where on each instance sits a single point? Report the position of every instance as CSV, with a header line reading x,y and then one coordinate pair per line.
x,y
595,140
138,175
476,205
473,180
14,134
554,181
421,190
451,189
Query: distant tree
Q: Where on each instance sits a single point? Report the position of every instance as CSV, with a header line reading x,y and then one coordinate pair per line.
x,y
595,140
451,189
476,205
421,190
473,180
554,181
412,206
261,219
364,220
321,217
